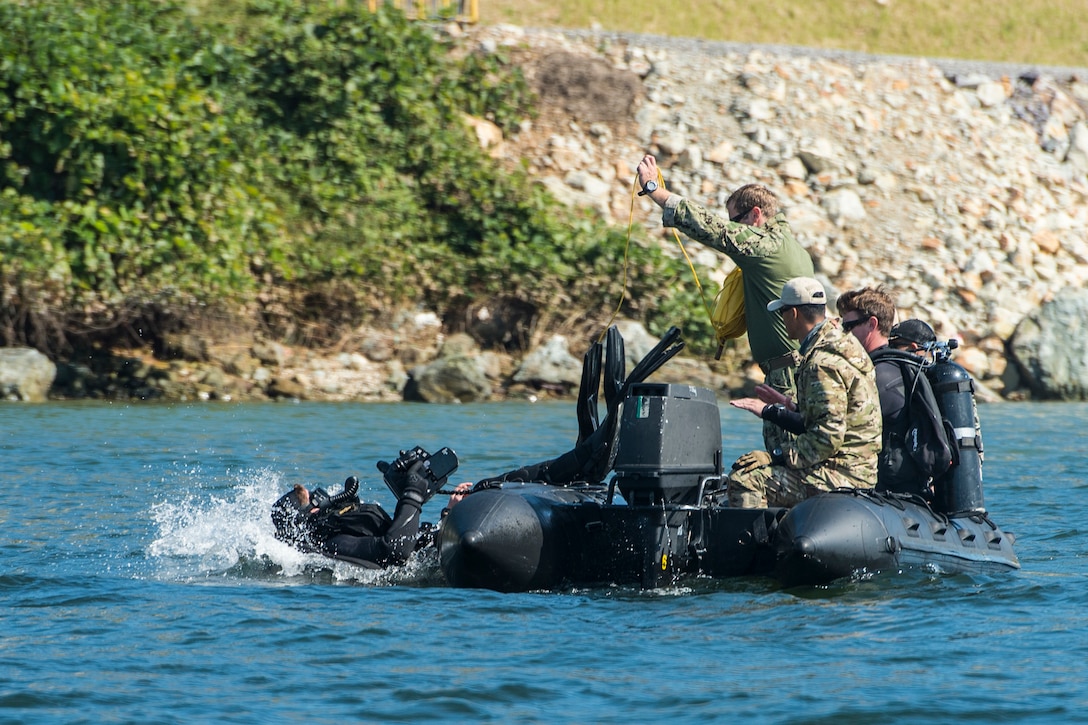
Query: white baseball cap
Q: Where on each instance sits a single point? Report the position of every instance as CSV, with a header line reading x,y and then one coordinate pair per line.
x,y
800,291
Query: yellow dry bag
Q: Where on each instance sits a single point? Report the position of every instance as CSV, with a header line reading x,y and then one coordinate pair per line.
x,y
728,315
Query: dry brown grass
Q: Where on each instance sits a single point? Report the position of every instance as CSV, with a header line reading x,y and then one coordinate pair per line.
x,y
1042,32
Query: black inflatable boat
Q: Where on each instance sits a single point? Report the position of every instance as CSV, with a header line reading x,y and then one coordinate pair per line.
x,y
662,443
662,516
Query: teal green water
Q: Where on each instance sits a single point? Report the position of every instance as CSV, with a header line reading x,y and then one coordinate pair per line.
x,y
140,583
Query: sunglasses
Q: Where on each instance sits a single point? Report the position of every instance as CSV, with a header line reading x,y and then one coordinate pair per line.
x,y
736,219
848,326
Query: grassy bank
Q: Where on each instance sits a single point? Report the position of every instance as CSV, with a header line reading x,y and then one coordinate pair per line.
x,y
1044,32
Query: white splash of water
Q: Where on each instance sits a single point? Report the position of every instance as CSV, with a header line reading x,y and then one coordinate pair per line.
x,y
230,534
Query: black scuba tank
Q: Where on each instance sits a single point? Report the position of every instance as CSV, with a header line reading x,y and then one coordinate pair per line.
x,y
959,490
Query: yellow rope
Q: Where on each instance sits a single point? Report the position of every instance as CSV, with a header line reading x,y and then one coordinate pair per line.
x,y
626,249
691,265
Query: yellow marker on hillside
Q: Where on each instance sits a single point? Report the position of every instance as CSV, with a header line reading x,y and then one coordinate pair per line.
x,y
466,11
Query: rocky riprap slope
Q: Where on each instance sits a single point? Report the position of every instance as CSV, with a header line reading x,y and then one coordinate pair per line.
x,y
960,187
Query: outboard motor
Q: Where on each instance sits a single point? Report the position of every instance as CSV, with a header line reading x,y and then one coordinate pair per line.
x,y
959,490
670,441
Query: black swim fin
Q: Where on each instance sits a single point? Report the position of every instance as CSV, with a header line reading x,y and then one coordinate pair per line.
x,y
587,392
591,459
665,350
615,366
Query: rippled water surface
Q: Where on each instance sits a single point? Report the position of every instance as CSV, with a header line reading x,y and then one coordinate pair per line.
x,y
140,582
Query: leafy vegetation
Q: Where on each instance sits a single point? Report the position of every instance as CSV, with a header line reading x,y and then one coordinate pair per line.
x,y
150,164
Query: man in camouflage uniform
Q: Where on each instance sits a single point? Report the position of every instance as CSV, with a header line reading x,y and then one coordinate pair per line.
x,y
836,415
759,240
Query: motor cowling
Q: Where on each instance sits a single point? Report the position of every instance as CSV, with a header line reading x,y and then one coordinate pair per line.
x,y
670,441
959,490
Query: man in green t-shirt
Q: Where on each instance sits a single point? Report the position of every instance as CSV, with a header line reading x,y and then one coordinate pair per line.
x,y
759,240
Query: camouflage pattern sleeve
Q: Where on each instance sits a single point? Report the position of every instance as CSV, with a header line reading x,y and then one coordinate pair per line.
x,y
856,461
823,393
705,227
837,395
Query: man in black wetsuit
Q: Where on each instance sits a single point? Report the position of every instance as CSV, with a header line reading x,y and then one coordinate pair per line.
x,y
342,527
906,397
918,338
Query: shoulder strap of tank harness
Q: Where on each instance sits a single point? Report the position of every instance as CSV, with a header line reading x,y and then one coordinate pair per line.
x,y
924,424
910,367
961,386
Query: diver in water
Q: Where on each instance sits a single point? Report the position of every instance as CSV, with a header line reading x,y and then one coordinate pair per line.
x,y
342,527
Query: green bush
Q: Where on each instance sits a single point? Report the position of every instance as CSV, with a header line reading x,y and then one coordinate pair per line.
x,y
143,174
147,161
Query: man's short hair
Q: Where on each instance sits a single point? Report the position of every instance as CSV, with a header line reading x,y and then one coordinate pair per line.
x,y
812,313
752,195
869,302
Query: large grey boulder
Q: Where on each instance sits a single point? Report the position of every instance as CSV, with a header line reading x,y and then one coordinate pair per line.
x,y
25,374
459,375
551,366
453,380
1050,347
1077,156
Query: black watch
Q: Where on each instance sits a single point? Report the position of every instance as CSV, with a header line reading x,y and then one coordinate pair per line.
x,y
648,188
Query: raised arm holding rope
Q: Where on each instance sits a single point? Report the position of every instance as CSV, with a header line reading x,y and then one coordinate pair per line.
x,y
757,237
